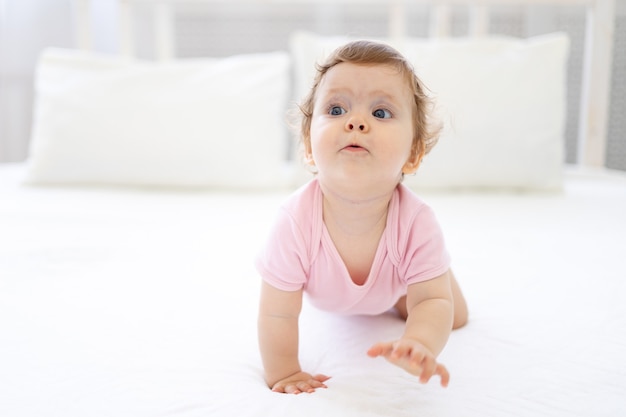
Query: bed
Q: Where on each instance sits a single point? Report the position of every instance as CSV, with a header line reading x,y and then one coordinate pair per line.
x,y
127,284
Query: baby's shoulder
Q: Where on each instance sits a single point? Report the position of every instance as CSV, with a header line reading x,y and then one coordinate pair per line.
x,y
304,200
412,227
301,211
408,206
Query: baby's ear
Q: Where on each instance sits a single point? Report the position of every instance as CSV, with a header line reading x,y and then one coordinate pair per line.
x,y
412,164
307,155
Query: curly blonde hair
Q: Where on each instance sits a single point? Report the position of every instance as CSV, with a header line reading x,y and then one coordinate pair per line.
x,y
426,130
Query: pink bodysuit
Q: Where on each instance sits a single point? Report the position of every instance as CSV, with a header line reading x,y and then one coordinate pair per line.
x,y
301,254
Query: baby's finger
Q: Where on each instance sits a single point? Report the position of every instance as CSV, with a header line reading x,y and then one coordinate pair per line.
x,y
380,349
401,350
292,389
321,378
289,388
318,383
305,387
443,373
416,358
429,367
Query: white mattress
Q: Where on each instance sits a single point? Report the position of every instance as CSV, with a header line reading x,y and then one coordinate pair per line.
x,y
126,302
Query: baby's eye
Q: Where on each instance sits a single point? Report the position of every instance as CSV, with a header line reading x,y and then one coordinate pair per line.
x,y
336,111
382,113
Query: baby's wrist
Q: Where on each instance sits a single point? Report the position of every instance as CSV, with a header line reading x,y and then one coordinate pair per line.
x,y
273,378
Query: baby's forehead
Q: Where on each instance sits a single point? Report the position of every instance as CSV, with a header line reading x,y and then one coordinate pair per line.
x,y
379,78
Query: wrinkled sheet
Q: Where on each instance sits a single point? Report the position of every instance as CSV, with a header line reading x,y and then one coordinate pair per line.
x,y
126,302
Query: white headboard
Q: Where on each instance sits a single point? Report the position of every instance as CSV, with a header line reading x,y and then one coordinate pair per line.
x,y
597,62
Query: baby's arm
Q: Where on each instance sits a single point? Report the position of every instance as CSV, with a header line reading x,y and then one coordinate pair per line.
x,y
428,326
278,341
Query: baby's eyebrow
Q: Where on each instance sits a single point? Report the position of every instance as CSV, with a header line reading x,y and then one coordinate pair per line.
x,y
384,96
338,91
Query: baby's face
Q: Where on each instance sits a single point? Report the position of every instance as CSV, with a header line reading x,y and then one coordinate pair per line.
x,y
362,127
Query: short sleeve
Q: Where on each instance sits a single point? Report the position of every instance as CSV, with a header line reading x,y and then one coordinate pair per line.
x,y
283,262
426,256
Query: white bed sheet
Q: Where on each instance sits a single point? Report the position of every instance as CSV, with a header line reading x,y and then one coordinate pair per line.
x,y
126,302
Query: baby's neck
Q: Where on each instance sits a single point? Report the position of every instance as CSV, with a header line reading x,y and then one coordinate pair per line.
x,y
355,217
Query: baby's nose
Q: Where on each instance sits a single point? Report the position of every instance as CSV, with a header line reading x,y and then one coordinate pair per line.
x,y
356,124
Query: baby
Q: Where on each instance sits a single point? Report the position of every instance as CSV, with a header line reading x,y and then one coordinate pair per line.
x,y
354,238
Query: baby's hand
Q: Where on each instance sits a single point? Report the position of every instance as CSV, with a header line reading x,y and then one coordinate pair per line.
x,y
300,382
413,357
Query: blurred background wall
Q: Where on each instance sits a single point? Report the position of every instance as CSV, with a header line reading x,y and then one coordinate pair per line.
x,y
29,26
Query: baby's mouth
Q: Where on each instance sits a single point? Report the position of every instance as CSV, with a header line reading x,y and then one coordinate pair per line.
x,y
354,146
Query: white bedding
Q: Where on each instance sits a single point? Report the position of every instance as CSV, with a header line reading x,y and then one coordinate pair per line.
x,y
135,302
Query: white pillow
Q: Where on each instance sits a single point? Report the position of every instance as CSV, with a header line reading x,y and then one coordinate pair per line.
x,y
502,101
208,122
